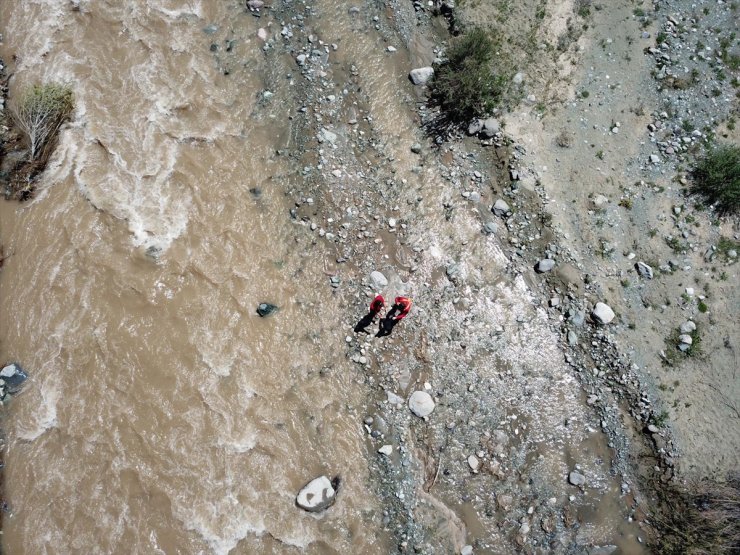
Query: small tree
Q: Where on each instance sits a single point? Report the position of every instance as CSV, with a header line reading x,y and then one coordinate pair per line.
x,y
465,85
39,114
717,178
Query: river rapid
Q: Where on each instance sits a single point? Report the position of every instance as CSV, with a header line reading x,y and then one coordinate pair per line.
x,y
163,415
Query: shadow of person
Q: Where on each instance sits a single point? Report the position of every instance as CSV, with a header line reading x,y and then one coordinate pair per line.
x,y
388,323
386,326
365,322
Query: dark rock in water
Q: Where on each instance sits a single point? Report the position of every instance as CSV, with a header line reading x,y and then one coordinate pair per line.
x,y
13,376
265,309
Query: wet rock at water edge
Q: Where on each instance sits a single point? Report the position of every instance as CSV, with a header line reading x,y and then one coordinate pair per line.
x,y
576,478
421,75
318,495
544,265
645,270
421,403
602,313
265,309
13,377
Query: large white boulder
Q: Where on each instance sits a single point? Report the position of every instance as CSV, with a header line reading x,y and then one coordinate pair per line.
x,y
421,75
421,403
602,313
317,495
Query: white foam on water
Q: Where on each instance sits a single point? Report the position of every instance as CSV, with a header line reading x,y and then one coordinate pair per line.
x,y
42,419
221,524
175,9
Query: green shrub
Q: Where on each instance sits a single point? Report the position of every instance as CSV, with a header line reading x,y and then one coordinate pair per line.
x,y
465,85
717,178
40,112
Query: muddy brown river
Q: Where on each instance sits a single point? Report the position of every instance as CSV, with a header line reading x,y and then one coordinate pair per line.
x,y
162,414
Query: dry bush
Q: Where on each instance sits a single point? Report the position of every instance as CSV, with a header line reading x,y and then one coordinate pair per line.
x,y
700,519
39,113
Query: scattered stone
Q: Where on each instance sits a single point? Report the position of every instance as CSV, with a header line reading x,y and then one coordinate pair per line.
x,y
686,339
467,550
265,309
378,280
386,450
416,148
645,270
421,75
599,201
421,403
602,313
654,159
475,127
473,463
572,338
504,501
327,136
653,429
688,327
500,208
318,495
544,265
490,228
394,399
603,550
576,479
391,49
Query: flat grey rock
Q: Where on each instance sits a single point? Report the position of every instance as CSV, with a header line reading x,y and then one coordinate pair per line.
x,y
576,478
545,265
475,127
490,127
501,208
378,279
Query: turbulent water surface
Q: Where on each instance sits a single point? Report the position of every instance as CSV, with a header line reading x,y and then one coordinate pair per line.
x,y
163,415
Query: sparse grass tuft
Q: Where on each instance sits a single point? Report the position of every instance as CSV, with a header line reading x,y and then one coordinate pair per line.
x,y
717,178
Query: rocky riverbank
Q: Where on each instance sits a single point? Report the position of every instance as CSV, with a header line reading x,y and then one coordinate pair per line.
x,y
444,232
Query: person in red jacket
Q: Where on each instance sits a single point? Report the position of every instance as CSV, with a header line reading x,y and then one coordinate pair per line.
x,y
399,311
402,305
377,305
